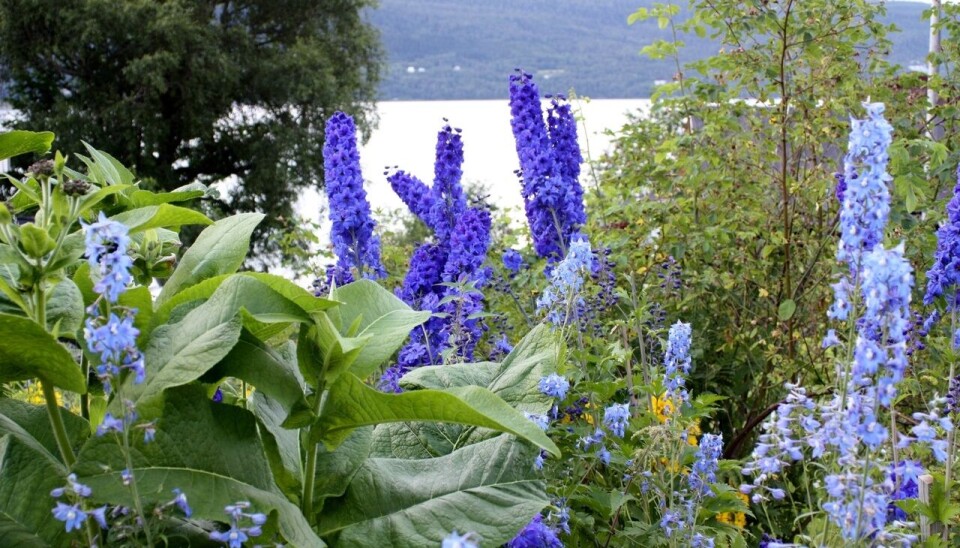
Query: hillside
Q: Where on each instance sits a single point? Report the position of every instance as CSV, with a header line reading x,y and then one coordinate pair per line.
x,y
455,49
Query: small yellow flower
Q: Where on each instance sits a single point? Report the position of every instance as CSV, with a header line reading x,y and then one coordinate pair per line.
x,y
662,407
33,394
738,519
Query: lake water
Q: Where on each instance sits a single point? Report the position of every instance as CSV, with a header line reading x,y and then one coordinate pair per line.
x,y
407,134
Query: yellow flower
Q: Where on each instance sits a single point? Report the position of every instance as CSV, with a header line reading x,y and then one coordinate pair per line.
x,y
585,416
738,519
693,434
662,407
32,393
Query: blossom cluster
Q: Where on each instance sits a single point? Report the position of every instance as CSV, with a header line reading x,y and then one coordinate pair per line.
x,y
550,161
356,246
846,430
444,275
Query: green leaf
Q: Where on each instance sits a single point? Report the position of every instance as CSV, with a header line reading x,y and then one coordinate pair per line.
x,y
30,467
220,249
515,381
253,362
65,308
203,290
160,216
335,469
71,250
211,451
15,143
14,533
27,351
35,241
184,351
381,317
486,488
181,353
786,310
351,404
143,198
640,15
282,446
94,198
108,167
321,350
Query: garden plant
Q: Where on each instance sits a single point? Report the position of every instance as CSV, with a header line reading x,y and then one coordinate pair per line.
x,y
739,330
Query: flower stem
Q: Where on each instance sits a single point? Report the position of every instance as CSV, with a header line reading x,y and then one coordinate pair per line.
x,y
56,422
311,470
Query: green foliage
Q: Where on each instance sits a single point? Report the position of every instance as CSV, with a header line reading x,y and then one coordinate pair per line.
x,y
750,126
302,437
189,91
492,489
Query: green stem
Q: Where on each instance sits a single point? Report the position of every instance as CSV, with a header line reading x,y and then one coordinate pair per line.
x,y
53,411
311,470
56,421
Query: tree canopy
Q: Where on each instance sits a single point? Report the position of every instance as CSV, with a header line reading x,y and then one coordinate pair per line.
x,y
191,90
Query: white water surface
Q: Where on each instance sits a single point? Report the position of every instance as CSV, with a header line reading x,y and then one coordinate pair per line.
x,y
407,135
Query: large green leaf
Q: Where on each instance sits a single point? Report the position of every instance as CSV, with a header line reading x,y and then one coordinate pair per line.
x,y
65,308
141,198
255,363
203,290
27,352
488,488
30,467
220,249
15,143
282,446
335,469
213,452
182,352
160,216
351,403
515,380
14,533
377,314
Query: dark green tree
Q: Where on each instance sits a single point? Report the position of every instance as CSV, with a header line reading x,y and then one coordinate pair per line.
x,y
191,90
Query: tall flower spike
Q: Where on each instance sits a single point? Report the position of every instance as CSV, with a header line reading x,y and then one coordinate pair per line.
x,y
676,362
449,202
549,164
944,276
866,198
354,243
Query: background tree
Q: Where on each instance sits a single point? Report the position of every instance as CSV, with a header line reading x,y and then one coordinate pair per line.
x,y
191,90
